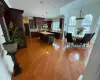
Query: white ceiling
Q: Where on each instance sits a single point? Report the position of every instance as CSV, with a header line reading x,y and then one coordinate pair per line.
x,y
78,3
35,8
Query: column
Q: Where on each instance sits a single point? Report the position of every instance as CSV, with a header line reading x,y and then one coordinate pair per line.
x,y
92,71
66,23
94,24
3,24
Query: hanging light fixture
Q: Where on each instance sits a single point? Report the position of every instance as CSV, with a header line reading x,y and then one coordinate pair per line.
x,y
46,17
46,25
80,18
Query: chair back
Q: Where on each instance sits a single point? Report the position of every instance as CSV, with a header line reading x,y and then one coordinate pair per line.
x,y
92,35
86,38
69,37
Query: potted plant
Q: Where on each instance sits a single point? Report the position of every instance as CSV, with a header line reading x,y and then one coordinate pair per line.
x,y
51,39
11,46
80,30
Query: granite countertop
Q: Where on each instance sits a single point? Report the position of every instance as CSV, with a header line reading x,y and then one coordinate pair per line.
x,y
56,31
45,33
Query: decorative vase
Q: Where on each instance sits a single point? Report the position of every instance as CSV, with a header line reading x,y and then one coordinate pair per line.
x,y
79,32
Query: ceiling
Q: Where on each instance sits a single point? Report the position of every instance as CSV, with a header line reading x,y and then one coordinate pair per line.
x,y
77,4
38,8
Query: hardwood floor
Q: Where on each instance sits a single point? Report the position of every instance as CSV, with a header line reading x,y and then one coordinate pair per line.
x,y
43,61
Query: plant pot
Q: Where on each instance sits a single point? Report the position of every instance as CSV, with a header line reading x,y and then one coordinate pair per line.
x,y
11,47
51,40
79,33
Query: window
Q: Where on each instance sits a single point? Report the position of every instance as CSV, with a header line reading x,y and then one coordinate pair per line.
x,y
72,24
55,26
86,23
72,21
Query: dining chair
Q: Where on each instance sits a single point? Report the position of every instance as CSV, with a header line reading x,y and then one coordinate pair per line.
x,y
69,38
84,40
91,37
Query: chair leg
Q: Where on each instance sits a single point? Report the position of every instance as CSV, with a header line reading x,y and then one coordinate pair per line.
x,y
74,45
70,44
85,45
89,43
81,45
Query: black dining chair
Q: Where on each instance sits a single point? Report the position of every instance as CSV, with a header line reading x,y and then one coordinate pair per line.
x,y
91,37
69,38
84,40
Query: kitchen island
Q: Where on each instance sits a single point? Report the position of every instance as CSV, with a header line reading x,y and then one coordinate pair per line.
x,y
44,36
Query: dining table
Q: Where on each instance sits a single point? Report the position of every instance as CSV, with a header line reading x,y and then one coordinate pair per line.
x,y
57,34
77,36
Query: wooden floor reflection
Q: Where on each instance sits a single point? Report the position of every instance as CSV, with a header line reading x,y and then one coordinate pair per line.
x,y
42,61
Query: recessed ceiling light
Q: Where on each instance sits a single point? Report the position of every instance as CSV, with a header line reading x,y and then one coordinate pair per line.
x,y
41,2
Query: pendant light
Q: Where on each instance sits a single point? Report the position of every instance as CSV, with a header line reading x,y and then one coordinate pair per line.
x,y
80,18
46,25
45,17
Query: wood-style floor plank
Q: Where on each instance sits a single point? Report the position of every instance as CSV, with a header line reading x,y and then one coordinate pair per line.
x,y
43,61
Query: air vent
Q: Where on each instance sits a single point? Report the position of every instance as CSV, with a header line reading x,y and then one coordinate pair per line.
x,y
41,2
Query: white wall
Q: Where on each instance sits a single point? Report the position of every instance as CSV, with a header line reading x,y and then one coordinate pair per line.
x,y
6,63
89,7
92,71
